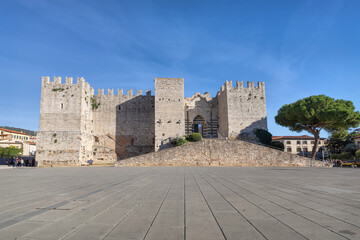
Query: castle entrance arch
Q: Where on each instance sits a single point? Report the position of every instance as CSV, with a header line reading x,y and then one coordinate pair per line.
x,y
199,125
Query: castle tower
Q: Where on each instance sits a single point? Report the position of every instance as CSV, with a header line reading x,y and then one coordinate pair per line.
x,y
241,110
169,111
64,135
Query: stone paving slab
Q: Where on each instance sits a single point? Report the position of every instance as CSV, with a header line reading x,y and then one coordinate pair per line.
x,y
179,203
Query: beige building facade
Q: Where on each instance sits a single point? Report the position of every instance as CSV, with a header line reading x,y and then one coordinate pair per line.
x,y
19,140
11,135
299,144
77,125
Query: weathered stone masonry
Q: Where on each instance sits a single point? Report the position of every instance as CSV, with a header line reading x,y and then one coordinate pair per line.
x,y
77,125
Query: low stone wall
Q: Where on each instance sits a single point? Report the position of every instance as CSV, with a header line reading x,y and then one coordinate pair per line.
x,y
216,152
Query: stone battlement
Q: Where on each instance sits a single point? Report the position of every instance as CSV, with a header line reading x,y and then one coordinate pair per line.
x,y
120,92
81,81
240,85
57,80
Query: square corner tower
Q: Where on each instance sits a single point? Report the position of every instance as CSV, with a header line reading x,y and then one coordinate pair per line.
x,y
169,111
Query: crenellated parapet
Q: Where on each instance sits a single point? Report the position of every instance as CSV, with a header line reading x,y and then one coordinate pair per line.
x,y
59,82
120,92
228,85
259,89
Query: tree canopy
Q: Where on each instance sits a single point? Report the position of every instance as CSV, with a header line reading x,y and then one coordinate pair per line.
x,y
314,113
339,139
10,152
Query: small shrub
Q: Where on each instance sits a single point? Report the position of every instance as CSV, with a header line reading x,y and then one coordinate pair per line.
x,y
263,136
178,141
277,144
195,137
58,89
357,154
94,104
55,141
54,135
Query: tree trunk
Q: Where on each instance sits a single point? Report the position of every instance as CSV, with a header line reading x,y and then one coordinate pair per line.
x,y
313,153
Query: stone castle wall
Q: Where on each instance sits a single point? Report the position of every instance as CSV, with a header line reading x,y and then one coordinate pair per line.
x,y
216,152
77,125
123,124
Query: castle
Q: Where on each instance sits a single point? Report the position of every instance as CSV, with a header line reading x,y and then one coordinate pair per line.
x,y
77,125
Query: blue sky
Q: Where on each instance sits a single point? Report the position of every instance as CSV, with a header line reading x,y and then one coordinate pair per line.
x,y
299,48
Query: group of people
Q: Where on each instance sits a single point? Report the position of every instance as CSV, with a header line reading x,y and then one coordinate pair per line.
x,y
337,163
18,162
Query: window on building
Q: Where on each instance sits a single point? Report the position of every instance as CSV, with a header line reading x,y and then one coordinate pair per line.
x,y
14,136
288,150
304,142
305,150
312,142
288,142
61,106
319,142
298,150
298,142
132,142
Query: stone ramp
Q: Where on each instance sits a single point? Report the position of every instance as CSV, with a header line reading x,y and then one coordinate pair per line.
x,y
216,152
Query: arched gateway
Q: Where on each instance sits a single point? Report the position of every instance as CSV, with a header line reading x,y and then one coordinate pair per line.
x,y
199,125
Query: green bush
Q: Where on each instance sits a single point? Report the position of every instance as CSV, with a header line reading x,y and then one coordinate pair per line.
x,y
357,154
179,141
10,152
263,136
277,144
195,137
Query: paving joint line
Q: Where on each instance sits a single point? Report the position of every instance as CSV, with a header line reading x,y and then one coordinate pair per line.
x,y
208,206
162,202
78,209
287,209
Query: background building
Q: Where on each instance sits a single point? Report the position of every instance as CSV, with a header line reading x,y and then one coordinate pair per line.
x,y
299,144
19,140
11,135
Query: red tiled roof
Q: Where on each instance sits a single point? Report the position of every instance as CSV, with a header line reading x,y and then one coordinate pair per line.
x,y
303,137
31,143
356,137
12,131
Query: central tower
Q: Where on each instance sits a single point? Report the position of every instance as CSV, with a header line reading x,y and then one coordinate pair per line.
x,y
169,111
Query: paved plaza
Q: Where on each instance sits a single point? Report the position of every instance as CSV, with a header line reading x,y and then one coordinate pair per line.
x,y
179,203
